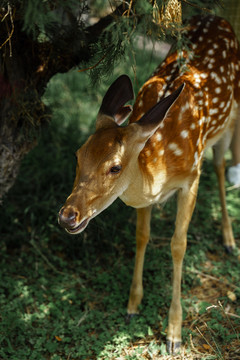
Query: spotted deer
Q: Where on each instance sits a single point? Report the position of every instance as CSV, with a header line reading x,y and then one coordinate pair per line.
x,y
177,115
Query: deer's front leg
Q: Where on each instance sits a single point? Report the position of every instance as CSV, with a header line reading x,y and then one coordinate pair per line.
x,y
142,238
186,204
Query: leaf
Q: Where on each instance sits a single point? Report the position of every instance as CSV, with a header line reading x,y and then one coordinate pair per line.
x,y
206,346
150,332
231,295
58,338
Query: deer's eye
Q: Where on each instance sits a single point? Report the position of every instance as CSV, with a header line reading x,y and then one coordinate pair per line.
x,y
115,169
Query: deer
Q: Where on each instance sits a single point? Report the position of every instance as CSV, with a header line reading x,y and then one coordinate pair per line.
x,y
178,114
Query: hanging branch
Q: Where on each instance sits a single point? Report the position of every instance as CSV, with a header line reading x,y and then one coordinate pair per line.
x,y
196,6
10,34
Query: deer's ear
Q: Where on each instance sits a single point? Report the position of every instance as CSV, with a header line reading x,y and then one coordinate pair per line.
x,y
112,107
150,121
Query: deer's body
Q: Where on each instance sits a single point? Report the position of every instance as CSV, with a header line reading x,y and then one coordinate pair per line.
x,y
161,152
204,111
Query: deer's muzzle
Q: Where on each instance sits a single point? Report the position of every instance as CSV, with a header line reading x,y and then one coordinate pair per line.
x,y
68,219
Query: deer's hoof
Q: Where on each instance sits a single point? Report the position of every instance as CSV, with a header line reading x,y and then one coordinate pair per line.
x,y
173,347
129,318
229,249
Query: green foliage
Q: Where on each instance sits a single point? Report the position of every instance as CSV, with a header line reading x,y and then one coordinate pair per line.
x,y
111,49
40,16
63,21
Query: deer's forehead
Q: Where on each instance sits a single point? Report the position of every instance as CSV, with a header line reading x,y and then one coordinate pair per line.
x,y
101,146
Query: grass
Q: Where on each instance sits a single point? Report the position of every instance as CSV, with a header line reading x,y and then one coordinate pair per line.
x,y
65,297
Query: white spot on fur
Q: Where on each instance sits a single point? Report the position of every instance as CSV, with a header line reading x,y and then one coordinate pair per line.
x,y
160,94
158,136
222,105
215,77
184,134
204,75
176,150
195,160
213,111
202,120
197,78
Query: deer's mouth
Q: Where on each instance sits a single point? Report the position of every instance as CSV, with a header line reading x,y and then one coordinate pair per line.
x,y
79,228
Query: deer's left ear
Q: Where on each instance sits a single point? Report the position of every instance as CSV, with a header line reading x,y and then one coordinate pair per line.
x,y
113,105
150,121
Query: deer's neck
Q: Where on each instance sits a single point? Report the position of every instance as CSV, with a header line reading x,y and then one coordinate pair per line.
x,y
149,183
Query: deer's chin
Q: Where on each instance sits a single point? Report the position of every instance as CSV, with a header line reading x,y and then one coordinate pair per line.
x,y
78,228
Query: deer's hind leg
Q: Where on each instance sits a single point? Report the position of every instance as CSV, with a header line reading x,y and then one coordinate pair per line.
x,y
219,150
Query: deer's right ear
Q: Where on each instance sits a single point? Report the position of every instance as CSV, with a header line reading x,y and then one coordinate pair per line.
x,y
113,104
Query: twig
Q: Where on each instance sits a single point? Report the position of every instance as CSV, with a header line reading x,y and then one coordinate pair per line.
x,y
193,346
130,7
92,67
227,314
232,315
205,339
85,314
9,12
237,186
212,278
197,6
32,242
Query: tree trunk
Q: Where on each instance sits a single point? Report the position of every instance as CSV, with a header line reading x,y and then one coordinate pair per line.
x,y
21,109
26,66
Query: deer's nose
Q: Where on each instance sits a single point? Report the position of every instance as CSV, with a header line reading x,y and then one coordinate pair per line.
x,y
67,217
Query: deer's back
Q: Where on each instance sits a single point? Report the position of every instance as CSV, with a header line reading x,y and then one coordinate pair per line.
x,y
211,74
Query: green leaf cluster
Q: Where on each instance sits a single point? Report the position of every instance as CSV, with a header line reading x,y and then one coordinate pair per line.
x,y
40,16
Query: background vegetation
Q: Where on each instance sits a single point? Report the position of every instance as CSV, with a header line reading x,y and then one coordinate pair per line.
x,y
65,297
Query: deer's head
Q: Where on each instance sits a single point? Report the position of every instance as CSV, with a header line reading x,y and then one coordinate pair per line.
x,y
106,163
